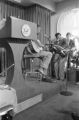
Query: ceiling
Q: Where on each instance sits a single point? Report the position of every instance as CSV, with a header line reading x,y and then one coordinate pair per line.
x,y
30,2
49,4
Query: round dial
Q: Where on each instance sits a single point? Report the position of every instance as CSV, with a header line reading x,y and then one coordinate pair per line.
x,y
26,30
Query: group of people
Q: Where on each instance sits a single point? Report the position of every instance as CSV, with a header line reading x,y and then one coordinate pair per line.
x,y
61,60
59,54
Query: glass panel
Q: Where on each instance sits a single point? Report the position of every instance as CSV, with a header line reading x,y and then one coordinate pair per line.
x,y
69,22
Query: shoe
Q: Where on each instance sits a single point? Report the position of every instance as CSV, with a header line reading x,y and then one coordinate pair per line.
x,y
48,79
40,71
58,78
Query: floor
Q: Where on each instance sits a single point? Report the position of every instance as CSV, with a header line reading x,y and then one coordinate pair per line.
x,y
35,87
58,107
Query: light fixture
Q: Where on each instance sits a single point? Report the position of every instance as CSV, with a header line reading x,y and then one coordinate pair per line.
x,y
19,1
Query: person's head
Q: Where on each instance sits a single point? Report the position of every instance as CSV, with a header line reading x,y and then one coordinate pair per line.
x,y
68,35
58,36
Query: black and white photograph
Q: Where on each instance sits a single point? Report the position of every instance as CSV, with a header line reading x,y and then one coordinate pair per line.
x,y
39,59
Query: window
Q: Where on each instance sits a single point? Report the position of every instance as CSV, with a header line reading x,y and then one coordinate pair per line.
x,y
69,22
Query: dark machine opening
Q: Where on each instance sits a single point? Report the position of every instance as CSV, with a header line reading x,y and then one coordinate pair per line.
x,y
6,63
25,64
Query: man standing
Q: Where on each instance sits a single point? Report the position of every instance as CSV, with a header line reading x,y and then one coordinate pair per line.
x,y
70,44
68,47
57,56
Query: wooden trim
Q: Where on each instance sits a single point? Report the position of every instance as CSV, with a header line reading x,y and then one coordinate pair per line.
x,y
29,103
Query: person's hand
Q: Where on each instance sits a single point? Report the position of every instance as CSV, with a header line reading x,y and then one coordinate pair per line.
x,y
45,48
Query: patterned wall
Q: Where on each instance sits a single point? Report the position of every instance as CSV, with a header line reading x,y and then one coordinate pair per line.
x,y
41,16
10,9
